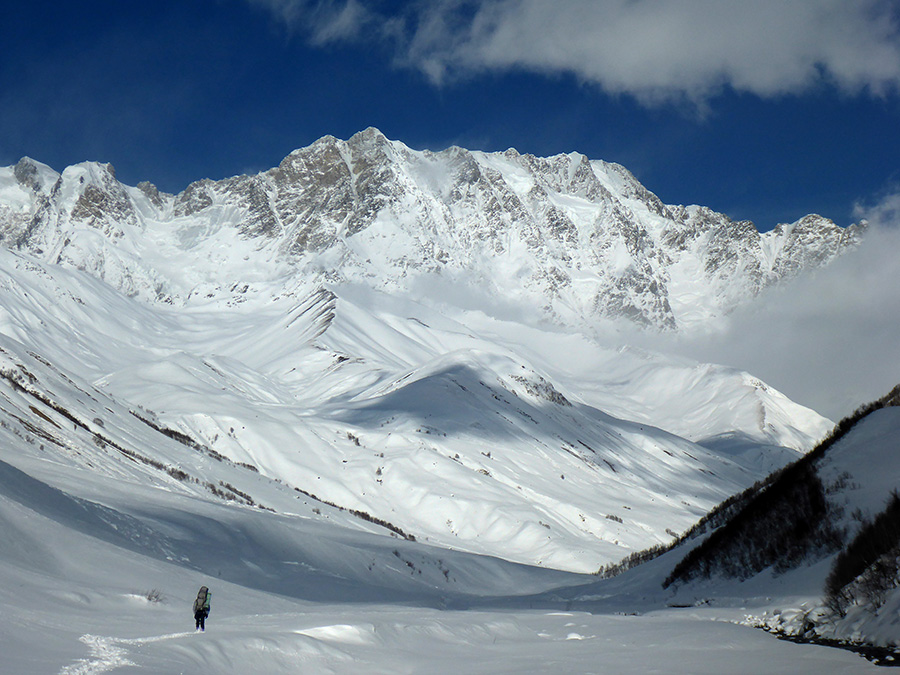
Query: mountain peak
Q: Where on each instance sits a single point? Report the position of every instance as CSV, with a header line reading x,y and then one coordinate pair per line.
x,y
34,175
583,240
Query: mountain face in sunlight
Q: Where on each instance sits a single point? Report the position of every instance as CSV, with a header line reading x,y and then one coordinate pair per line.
x,y
381,328
573,240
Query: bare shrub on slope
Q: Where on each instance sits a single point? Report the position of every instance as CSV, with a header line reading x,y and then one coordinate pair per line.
x,y
867,568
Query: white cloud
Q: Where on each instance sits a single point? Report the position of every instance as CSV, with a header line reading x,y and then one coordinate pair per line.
x,y
652,49
829,340
659,49
323,20
884,213
288,11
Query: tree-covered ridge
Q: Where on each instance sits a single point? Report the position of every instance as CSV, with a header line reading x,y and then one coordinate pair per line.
x,y
776,523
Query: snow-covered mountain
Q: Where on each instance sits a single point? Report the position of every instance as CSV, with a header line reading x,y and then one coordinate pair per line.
x,y
355,322
370,374
573,239
454,428
350,322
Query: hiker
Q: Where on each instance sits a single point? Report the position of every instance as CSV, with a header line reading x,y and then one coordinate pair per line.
x,y
201,607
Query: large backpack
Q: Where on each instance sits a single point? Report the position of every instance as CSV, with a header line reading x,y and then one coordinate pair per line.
x,y
202,601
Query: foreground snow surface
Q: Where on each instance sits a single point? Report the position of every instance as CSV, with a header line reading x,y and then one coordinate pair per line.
x,y
89,587
384,640
89,627
84,556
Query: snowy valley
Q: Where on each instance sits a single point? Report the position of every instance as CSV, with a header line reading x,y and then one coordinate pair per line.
x,y
369,399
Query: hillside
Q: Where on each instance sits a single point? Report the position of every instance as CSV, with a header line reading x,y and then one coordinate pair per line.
x,y
386,407
825,526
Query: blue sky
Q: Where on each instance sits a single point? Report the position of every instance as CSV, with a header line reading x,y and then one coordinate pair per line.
x,y
765,110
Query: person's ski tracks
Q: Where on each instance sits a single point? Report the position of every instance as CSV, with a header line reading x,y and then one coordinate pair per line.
x,y
106,654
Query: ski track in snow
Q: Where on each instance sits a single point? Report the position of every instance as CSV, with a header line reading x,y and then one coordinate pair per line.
x,y
106,654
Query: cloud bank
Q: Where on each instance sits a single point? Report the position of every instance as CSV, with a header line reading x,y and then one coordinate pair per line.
x,y
829,340
655,50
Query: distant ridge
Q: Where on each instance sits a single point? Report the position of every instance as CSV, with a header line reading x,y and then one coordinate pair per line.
x,y
581,240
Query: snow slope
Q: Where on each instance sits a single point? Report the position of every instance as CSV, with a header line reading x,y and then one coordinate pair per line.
x,y
457,428
103,552
855,475
107,500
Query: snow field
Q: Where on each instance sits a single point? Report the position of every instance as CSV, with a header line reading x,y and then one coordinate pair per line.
x,y
433,420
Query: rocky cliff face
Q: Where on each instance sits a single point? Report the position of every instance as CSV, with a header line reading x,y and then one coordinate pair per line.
x,y
581,240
